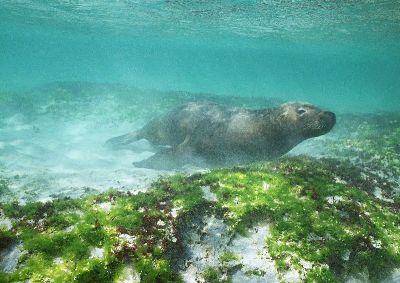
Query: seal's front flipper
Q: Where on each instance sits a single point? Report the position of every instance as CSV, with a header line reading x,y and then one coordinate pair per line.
x,y
123,141
166,159
182,147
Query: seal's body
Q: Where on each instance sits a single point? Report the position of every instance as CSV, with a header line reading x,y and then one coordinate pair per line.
x,y
222,135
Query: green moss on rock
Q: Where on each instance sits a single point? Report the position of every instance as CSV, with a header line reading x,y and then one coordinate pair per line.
x,y
317,220
228,257
214,275
323,224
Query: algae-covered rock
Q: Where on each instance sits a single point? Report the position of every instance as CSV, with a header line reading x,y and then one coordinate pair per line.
x,y
294,219
373,141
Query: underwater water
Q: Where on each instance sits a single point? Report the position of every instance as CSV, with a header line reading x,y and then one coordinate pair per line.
x,y
74,74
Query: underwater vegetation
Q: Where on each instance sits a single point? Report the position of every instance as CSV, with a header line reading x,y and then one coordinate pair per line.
x,y
324,227
371,143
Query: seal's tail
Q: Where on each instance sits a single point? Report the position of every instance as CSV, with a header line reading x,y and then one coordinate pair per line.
x,y
123,141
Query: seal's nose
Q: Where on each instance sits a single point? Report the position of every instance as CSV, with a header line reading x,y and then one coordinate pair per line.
x,y
331,116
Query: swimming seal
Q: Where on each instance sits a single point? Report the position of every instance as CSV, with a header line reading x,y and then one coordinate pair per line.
x,y
220,135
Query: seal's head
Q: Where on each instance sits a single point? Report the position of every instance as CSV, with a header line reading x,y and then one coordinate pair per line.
x,y
306,120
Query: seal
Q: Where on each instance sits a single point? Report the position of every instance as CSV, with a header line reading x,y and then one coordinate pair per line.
x,y
219,135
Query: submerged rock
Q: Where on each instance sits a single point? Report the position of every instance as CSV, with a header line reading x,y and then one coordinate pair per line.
x,y
285,220
9,258
97,253
258,265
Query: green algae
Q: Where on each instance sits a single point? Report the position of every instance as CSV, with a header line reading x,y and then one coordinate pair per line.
x,y
221,273
228,257
255,272
328,221
70,229
324,224
213,275
317,220
371,141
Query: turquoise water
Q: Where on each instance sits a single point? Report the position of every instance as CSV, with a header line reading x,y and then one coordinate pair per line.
x,y
343,55
74,74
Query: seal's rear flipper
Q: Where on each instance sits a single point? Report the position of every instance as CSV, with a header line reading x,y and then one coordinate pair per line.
x,y
166,159
123,141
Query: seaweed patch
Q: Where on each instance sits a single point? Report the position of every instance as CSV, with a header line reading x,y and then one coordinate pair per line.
x,y
322,227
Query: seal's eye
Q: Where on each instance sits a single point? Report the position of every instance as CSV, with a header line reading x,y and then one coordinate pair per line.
x,y
301,111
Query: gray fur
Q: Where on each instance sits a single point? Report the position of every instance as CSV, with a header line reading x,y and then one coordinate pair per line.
x,y
220,135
